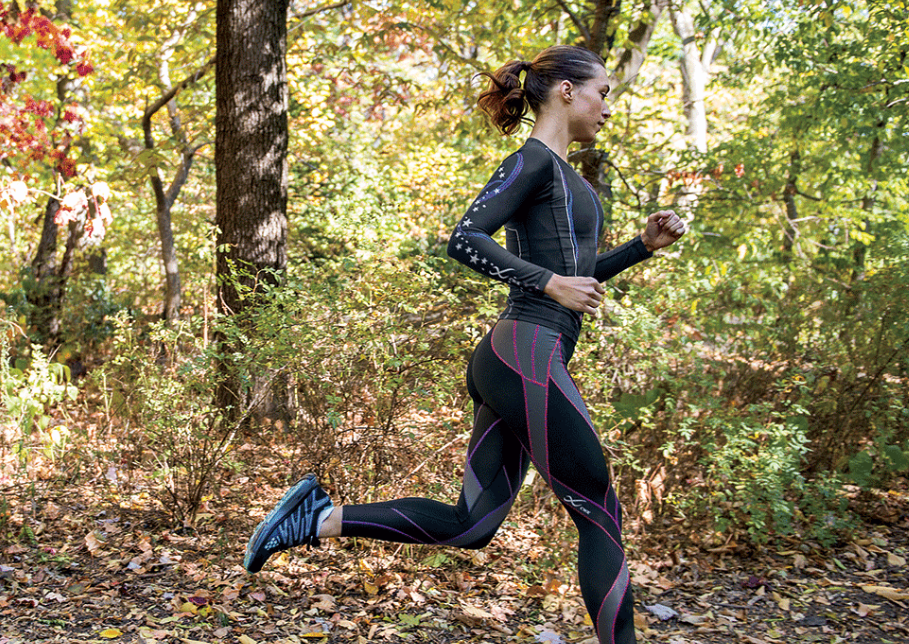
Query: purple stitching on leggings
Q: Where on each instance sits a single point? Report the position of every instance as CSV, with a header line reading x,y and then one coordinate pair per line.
x,y
584,416
482,438
589,500
590,423
546,405
514,342
617,510
469,468
503,360
475,525
414,524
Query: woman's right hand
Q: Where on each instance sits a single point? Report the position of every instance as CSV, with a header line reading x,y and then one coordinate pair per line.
x,y
582,294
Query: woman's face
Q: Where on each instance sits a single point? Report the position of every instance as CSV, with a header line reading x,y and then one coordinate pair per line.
x,y
588,109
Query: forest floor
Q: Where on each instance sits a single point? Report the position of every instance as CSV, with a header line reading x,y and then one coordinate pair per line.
x,y
95,561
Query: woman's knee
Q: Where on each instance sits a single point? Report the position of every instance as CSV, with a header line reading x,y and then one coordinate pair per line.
x,y
480,540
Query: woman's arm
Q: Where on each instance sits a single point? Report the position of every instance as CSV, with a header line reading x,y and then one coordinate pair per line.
x,y
663,229
616,260
516,181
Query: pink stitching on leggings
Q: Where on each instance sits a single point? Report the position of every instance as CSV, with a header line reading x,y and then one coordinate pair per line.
x,y
533,352
603,603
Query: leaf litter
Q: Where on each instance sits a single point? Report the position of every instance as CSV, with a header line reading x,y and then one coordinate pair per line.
x,y
86,563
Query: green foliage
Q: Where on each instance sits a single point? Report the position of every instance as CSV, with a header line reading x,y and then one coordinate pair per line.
x,y
357,353
32,389
741,380
161,384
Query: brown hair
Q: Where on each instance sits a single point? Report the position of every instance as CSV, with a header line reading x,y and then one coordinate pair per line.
x,y
507,100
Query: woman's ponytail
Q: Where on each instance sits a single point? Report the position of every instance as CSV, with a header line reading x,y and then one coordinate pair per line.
x,y
504,101
507,99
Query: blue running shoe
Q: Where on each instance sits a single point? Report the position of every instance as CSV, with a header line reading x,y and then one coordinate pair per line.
x,y
293,522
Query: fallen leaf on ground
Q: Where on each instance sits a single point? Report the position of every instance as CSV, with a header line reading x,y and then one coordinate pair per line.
x,y
886,592
661,612
92,542
895,560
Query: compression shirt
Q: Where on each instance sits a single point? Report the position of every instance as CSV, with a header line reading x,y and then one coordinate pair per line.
x,y
553,220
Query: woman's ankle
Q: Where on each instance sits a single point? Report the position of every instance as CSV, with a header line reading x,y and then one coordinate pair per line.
x,y
331,525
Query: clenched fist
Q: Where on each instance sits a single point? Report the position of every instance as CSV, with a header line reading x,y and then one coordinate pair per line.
x,y
582,294
664,228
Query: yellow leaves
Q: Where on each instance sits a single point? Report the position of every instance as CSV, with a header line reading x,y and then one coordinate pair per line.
x,y
895,560
886,592
783,603
110,633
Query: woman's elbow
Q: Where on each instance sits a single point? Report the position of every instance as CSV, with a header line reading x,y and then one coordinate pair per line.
x,y
453,250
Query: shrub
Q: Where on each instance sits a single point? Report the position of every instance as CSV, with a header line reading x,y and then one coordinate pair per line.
x,y
162,385
31,390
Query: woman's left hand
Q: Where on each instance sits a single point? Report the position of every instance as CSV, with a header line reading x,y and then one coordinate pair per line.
x,y
664,228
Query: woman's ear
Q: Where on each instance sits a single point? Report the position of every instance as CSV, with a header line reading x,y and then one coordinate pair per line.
x,y
566,90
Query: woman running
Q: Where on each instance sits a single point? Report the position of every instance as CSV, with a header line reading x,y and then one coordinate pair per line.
x,y
527,408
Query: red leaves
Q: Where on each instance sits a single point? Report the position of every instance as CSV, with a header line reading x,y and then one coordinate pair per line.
x,y
691,178
47,34
39,108
24,130
11,78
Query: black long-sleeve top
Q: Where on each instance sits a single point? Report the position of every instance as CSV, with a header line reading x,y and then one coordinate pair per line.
x,y
553,220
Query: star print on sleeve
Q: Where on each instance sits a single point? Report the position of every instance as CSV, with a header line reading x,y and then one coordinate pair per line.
x,y
512,187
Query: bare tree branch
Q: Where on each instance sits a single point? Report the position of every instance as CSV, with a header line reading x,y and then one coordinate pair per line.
x,y
173,91
606,11
314,11
577,22
632,58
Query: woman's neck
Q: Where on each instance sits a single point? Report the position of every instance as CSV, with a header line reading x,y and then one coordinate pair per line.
x,y
553,134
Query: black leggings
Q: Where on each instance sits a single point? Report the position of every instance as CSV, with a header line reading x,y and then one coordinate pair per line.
x,y
527,409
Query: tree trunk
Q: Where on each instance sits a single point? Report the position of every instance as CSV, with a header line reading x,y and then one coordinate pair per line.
x,y
694,65
46,292
250,154
694,79
164,201
599,37
631,59
791,232
860,250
